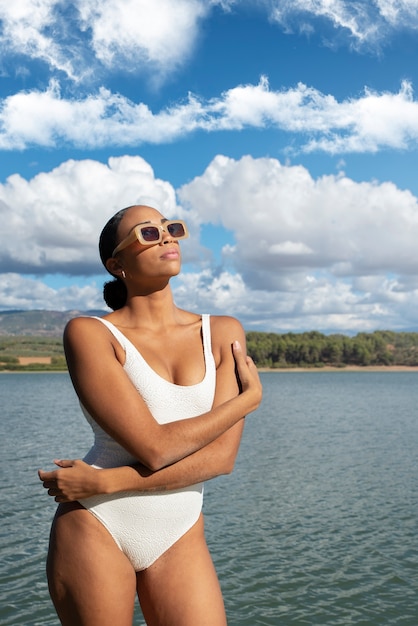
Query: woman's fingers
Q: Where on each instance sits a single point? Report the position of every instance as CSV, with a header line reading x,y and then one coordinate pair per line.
x,y
53,474
239,356
73,480
51,480
47,477
247,371
245,364
64,462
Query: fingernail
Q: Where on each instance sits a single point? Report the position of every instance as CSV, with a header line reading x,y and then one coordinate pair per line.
x,y
237,344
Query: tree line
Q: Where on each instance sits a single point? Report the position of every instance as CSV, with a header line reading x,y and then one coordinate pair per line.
x,y
272,350
313,349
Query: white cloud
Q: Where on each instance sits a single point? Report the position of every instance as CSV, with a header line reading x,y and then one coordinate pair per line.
x,y
131,35
367,22
352,16
325,305
290,223
56,217
44,118
26,30
20,292
366,124
399,13
214,292
330,307
88,38
326,253
314,243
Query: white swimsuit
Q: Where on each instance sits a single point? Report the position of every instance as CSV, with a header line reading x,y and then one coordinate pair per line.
x,y
144,526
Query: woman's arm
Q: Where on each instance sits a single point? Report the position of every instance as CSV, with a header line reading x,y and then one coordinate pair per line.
x,y
110,397
78,480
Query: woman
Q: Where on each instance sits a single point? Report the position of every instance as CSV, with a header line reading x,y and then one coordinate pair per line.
x,y
158,386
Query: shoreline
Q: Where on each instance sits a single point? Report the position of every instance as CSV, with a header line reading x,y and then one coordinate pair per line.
x,y
33,371
346,368
276,370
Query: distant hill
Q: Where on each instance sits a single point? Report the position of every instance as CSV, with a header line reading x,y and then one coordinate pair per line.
x,y
38,323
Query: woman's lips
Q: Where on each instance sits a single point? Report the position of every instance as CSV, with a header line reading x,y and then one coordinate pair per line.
x,y
171,254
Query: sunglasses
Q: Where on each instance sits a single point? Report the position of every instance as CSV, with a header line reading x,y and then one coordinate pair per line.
x,y
148,234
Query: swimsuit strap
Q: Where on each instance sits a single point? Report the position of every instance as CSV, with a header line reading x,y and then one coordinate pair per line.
x,y
118,334
207,342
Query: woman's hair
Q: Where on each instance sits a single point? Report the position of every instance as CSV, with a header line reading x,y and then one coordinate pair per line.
x,y
114,291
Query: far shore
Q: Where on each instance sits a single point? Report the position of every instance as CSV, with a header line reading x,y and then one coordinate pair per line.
x,y
344,368
281,370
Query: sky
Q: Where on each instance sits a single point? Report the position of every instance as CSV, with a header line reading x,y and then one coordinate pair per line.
x,y
285,132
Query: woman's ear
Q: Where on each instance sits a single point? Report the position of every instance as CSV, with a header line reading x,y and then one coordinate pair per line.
x,y
114,267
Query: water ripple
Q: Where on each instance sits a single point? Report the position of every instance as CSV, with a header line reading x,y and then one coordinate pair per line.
x,y
316,526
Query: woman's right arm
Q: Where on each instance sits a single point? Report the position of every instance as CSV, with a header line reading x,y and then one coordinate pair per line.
x,y
77,480
111,399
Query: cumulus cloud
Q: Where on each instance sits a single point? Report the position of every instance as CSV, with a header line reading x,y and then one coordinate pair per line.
x,y
325,253
56,217
46,119
132,36
291,224
365,124
135,34
20,292
311,250
320,304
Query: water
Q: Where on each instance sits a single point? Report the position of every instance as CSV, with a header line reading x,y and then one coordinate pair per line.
x,y
317,524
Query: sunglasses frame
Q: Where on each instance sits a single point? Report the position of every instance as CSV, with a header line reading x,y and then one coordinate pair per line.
x,y
136,235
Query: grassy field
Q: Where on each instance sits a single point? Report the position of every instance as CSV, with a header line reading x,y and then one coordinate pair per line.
x,y
28,353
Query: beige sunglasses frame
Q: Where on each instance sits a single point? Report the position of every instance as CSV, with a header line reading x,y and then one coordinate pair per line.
x,y
136,235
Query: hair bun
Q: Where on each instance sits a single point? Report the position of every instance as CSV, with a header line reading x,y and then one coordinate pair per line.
x,y
114,294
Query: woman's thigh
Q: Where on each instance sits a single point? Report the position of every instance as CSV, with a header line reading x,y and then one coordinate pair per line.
x,y
91,581
181,588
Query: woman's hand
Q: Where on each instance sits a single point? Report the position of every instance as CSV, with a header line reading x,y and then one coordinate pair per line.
x,y
248,376
73,481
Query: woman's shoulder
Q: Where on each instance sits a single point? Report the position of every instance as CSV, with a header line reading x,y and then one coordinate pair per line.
x,y
84,326
88,335
226,329
225,323
84,321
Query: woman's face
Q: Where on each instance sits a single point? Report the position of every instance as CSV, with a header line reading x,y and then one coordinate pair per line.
x,y
138,260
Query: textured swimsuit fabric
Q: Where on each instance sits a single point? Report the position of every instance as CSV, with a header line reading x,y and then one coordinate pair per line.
x,y
144,526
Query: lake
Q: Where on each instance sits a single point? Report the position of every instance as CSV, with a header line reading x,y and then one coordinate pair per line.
x,y
316,525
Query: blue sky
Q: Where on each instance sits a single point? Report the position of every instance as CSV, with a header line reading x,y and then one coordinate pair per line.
x,y
285,133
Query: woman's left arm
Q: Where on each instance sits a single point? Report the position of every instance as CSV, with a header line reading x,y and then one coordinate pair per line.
x,y
76,480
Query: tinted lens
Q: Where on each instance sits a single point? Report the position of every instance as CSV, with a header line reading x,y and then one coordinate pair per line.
x,y
150,233
176,229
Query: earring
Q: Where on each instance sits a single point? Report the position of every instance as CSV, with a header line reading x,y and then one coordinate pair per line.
x,y
123,274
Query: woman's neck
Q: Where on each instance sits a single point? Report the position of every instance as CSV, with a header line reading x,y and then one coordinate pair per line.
x,y
154,310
